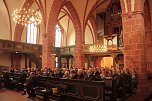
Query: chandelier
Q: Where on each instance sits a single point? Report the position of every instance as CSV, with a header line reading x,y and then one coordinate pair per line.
x,y
23,16
97,48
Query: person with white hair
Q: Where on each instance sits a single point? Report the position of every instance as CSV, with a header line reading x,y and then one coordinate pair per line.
x,y
66,75
79,75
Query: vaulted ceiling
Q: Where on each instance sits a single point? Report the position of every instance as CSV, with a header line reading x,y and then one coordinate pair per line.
x,y
84,9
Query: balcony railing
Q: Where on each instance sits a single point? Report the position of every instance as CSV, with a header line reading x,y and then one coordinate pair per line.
x,y
14,46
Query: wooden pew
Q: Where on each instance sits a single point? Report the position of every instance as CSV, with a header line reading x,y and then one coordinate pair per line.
x,y
46,85
77,90
82,90
13,77
110,90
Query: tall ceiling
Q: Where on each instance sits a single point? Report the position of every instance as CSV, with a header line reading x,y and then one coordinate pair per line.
x,y
83,8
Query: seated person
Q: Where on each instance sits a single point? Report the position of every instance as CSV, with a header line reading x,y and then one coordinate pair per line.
x,y
72,74
32,82
79,75
66,75
23,77
57,73
90,75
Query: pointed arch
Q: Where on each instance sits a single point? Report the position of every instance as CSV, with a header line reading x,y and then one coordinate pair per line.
x,y
19,28
79,58
49,36
94,27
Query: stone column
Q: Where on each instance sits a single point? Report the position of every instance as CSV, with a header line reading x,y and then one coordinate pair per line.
x,y
79,57
135,45
114,59
59,61
29,63
88,59
49,35
67,58
25,61
148,33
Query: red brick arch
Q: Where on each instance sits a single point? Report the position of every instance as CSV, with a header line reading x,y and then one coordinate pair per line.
x,y
122,6
49,38
19,28
94,26
79,58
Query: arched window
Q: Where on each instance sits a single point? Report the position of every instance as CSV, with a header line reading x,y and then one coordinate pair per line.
x,y
58,36
31,31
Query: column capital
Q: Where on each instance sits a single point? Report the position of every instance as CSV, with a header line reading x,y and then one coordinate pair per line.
x,y
131,14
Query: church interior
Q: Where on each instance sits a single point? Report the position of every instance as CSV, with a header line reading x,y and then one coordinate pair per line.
x,y
75,50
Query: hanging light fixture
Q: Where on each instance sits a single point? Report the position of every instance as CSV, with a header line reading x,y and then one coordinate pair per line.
x,y
97,48
22,16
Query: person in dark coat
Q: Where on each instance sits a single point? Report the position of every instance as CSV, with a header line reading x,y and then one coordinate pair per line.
x,y
90,75
127,81
79,75
57,73
6,79
22,80
134,77
23,77
32,82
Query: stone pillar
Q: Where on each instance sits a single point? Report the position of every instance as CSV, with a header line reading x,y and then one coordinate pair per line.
x,y
30,63
59,61
25,61
114,59
148,33
48,58
88,59
97,62
79,57
67,58
135,44
72,60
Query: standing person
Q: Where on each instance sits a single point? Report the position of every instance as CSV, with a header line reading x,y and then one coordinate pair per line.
x,y
134,77
32,82
25,83
6,79
22,80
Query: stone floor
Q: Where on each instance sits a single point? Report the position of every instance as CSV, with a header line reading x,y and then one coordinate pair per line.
x,y
139,96
12,95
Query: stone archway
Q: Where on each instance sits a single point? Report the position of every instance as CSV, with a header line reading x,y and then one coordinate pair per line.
x,y
79,57
19,28
49,38
94,26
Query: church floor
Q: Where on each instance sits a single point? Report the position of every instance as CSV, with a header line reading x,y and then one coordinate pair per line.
x,y
12,95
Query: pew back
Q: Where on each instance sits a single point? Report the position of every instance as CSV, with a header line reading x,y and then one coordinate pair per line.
x,y
79,90
110,88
